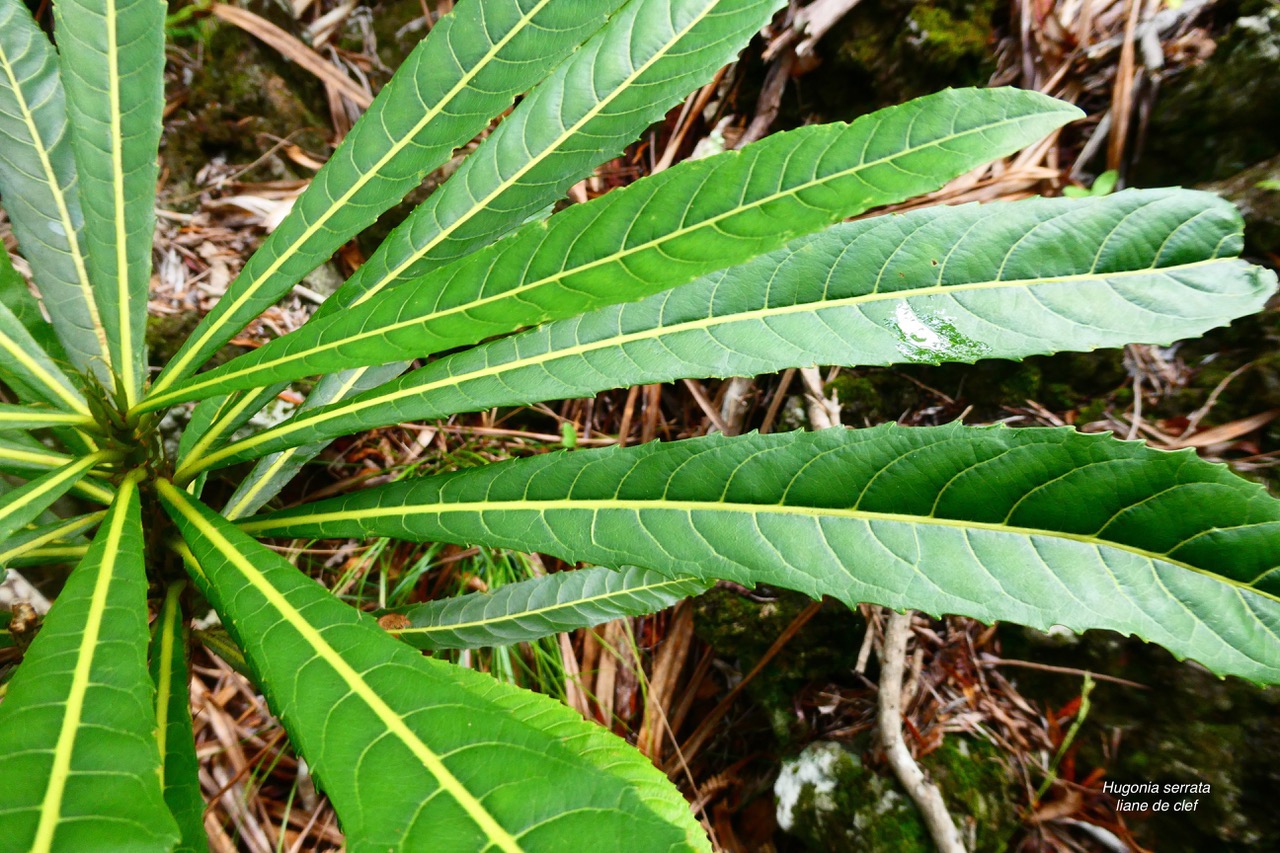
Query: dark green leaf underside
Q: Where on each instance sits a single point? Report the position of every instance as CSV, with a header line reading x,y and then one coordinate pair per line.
x,y
943,284
531,609
1037,526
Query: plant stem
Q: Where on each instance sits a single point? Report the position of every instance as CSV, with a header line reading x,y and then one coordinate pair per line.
x,y
1081,715
927,797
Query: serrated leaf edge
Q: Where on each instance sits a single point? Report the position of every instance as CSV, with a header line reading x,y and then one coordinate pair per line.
x,y
393,721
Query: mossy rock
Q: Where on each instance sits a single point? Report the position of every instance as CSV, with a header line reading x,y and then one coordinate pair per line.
x,y
241,93
1256,192
742,629
830,800
167,333
887,53
398,26
1218,118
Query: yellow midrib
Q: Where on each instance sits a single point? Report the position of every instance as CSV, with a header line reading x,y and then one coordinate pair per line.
x,y
128,375
68,529
264,528
538,611
73,471
47,379
40,416
476,208
219,426
177,370
322,416
170,616
51,460
51,807
232,510
60,551
616,257
64,213
387,715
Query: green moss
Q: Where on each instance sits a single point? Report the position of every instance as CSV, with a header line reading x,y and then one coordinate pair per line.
x,y
979,789
886,53
743,629
397,26
1215,119
830,800
947,41
844,807
165,334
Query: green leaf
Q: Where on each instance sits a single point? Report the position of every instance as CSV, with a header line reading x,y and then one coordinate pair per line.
x,y
596,103
465,72
37,182
25,541
531,609
35,417
698,217
22,455
79,766
15,294
20,506
271,473
217,419
475,764
622,80
1105,183
56,554
28,369
941,284
1036,526
112,62
168,666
